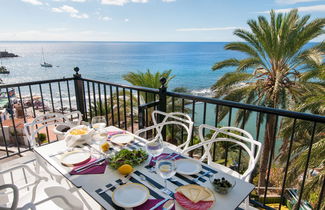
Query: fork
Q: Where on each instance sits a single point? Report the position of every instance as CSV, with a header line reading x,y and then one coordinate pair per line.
x,y
90,166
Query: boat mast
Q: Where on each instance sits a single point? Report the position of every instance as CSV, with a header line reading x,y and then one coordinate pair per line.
x,y
43,55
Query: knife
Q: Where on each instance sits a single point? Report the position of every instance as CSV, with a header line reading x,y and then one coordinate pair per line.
x,y
89,164
159,203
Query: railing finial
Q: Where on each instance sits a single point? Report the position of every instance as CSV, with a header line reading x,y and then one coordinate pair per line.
x,y
76,69
163,81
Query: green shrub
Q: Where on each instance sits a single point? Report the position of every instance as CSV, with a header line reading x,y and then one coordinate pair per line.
x,y
41,138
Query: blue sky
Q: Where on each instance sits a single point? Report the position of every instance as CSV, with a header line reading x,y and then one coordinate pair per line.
x,y
138,20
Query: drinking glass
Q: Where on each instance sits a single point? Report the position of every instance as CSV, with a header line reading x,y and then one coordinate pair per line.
x,y
155,148
166,169
100,136
98,123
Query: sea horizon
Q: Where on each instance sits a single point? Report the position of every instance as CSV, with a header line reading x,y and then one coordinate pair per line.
x,y
190,62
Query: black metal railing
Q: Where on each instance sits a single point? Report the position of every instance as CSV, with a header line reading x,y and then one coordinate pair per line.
x,y
24,101
129,108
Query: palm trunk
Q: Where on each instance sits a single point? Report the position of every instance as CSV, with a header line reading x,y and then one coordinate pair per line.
x,y
267,149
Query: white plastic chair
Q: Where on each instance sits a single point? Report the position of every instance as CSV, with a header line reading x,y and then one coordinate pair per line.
x,y
15,195
32,129
234,135
39,192
75,117
172,118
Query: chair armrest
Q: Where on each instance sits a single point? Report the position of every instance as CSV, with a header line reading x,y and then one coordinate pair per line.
x,y
23,166
16,194
65,200
38,178
137,133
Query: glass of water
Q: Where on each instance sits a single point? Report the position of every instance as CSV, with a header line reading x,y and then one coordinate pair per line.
x,y
155,148
100,136
166,169
98,123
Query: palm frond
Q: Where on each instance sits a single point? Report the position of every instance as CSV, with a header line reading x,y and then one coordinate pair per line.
x,y
225,63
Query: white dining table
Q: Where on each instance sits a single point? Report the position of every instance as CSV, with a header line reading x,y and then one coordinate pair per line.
x,y
94,183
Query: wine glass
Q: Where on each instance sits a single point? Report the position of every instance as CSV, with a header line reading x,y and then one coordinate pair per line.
x,y
155,148
166,169
98,122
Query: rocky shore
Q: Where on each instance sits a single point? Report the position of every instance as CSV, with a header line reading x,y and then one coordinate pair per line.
x,y
5,54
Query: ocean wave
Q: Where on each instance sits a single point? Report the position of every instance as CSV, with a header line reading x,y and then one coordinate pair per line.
x,y
203,92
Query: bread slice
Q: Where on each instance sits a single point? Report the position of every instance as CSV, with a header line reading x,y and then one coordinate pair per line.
x,y
204,194
196,193
185,192
210,196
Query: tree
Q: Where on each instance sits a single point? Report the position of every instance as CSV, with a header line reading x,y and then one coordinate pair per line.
x,y
313,102
152,80
148,79
102,108
276,50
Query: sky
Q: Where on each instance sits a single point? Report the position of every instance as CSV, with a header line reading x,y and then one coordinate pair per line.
x,y
138,20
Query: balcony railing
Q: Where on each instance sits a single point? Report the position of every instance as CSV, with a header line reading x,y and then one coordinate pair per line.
x,y
129,107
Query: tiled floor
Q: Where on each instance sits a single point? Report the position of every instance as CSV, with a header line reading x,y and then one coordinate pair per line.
x,y
20,177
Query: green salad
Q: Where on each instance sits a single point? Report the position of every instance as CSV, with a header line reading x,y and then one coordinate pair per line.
x,y
125,156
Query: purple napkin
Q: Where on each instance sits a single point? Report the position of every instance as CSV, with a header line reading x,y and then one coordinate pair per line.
x,y
112,133
100,169
151,203
163,156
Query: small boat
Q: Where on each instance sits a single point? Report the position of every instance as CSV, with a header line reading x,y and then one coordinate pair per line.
x,y
45,64
4,70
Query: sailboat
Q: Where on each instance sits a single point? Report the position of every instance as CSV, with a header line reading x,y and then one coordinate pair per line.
x,y
45,64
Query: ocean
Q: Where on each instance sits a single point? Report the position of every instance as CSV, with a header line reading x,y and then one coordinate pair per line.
x,y
190,62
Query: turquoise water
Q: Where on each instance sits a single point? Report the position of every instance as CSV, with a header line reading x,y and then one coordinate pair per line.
x,y
108,61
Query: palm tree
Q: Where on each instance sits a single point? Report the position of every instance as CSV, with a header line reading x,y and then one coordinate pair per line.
x,y
148,79
152,80
276,50
314,103
102,108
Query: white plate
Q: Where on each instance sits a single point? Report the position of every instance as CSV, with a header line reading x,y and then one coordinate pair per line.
x,y
130,195
121,138
188,166
75,157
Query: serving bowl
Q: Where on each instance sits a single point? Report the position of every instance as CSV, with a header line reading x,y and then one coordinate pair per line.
x,y
222,184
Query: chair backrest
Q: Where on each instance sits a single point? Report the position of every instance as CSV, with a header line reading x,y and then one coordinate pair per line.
x,y
74,115
229,134
42,122
174,118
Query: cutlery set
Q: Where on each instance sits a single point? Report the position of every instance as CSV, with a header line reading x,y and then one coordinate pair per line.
x,y
90,165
